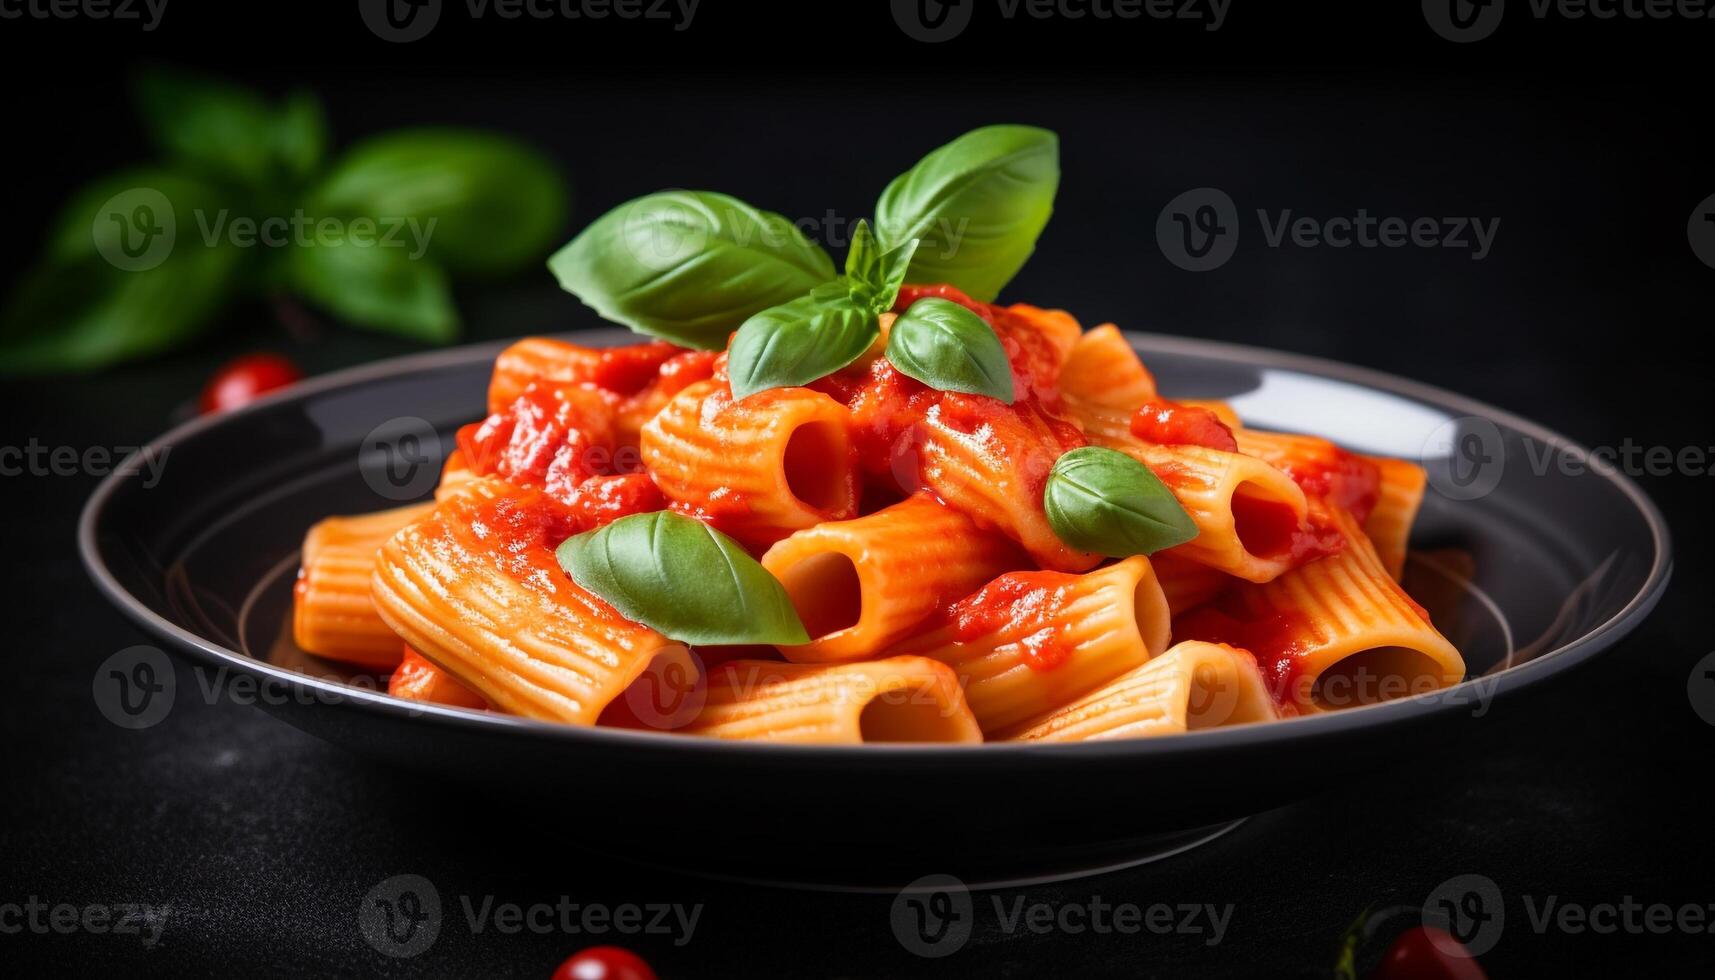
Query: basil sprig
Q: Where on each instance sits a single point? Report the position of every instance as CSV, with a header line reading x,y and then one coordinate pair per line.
x,y
684,579
977,204
1104,501
686,266
689,265
815,335
247,199
946,346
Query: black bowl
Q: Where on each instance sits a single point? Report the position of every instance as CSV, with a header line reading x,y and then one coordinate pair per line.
x,y
1529,563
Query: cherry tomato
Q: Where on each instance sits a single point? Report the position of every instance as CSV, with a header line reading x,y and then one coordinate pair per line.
x,y
240,381
604,963
1426,953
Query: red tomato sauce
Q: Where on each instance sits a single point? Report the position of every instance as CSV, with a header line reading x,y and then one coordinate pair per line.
x,y
686,369
546,440
911,294
1345,479
1278,642
1171,424
1028,606
1270,529
601,500
625,370
520,532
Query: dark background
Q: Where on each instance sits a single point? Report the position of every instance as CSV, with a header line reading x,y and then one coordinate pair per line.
x,y
1585,138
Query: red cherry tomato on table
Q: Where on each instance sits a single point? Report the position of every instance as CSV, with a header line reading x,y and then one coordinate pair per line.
x,y
604,963
1426,953
240,381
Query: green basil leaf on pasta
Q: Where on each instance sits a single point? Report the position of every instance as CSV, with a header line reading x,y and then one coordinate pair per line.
x,y
1104,501
948,347
977,206
798,342
689,266
684,579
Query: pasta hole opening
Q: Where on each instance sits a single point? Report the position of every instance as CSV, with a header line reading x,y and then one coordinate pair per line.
x,y
1376,675
1265,525
816,468
826,591
910,714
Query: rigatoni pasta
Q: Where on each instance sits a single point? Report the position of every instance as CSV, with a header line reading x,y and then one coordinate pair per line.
x,y
906,530
1194,685
863,584
472,587
897,699
1030,641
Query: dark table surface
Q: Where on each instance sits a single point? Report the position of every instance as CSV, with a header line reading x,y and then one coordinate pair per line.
x,y
1587,315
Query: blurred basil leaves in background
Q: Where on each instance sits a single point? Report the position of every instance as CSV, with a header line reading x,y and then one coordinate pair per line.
x,y
247,201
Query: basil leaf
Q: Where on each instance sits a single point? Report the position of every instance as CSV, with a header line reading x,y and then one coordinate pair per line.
x,y
1104,501
486,204
227,131
977,204
683,579
798,342
864,255
689,266
126,273
876,274
946,346
379,287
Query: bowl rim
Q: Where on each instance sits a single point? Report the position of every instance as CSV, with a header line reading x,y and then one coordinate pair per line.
x,y
1280,733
